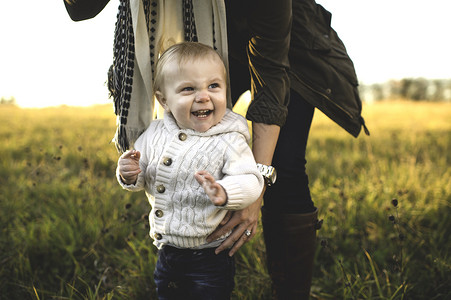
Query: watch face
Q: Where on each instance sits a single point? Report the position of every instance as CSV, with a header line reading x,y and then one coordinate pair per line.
x,y
269,173
273,176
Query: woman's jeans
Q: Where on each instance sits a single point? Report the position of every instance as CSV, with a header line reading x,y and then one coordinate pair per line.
x,y
194,274
291,192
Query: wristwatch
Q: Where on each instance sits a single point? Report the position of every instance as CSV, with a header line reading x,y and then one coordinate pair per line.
x,y
269,173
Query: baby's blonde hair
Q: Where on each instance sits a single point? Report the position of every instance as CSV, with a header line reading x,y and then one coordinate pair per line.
x,y
181,53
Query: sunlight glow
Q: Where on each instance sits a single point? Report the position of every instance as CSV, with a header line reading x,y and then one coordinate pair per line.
x,y
57,61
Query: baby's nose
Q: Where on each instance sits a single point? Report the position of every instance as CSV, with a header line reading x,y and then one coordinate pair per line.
x,y
202,96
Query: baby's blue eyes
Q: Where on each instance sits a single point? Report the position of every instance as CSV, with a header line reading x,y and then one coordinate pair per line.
x,y
190,89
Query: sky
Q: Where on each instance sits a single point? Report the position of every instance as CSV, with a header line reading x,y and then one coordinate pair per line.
x,y
46,59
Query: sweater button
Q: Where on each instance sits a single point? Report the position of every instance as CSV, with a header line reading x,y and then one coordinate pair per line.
x,y
182,136
161,189
159,213
158,236
167,161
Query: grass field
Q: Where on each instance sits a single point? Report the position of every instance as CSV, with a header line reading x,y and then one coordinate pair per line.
x,y
68,230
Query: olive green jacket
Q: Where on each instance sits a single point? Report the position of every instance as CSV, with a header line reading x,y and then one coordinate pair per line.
x,y
320,68
291,45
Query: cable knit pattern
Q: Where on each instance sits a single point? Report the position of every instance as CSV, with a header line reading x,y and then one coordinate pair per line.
x,y
182,214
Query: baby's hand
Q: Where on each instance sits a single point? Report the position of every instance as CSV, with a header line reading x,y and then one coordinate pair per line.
x,y
214,190
128,166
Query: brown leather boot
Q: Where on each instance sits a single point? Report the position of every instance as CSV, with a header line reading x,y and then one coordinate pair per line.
x,y
290,249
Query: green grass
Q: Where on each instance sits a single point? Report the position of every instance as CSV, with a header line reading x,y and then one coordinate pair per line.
x,y
68,231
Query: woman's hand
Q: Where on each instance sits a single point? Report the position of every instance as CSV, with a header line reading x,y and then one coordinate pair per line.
x,y
241,222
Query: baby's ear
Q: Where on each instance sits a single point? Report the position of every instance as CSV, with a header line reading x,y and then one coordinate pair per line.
x,y
161,99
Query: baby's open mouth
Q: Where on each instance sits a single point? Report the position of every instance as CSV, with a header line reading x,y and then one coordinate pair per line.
x,y
202,113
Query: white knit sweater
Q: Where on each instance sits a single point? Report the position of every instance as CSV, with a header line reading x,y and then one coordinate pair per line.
x,y
182,214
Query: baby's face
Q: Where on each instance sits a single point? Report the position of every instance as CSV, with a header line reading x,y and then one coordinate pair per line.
x,y
196,92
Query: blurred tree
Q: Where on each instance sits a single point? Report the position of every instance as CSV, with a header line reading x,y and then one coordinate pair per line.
x,y
10,101
417,89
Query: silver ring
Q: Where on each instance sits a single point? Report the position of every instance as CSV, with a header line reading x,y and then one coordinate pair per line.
x,y
247,232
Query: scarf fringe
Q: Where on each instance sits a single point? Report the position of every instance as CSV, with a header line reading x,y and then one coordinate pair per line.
x,y
112,90
125,134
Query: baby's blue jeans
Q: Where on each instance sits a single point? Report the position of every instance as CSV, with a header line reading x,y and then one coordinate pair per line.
x,y
194,274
